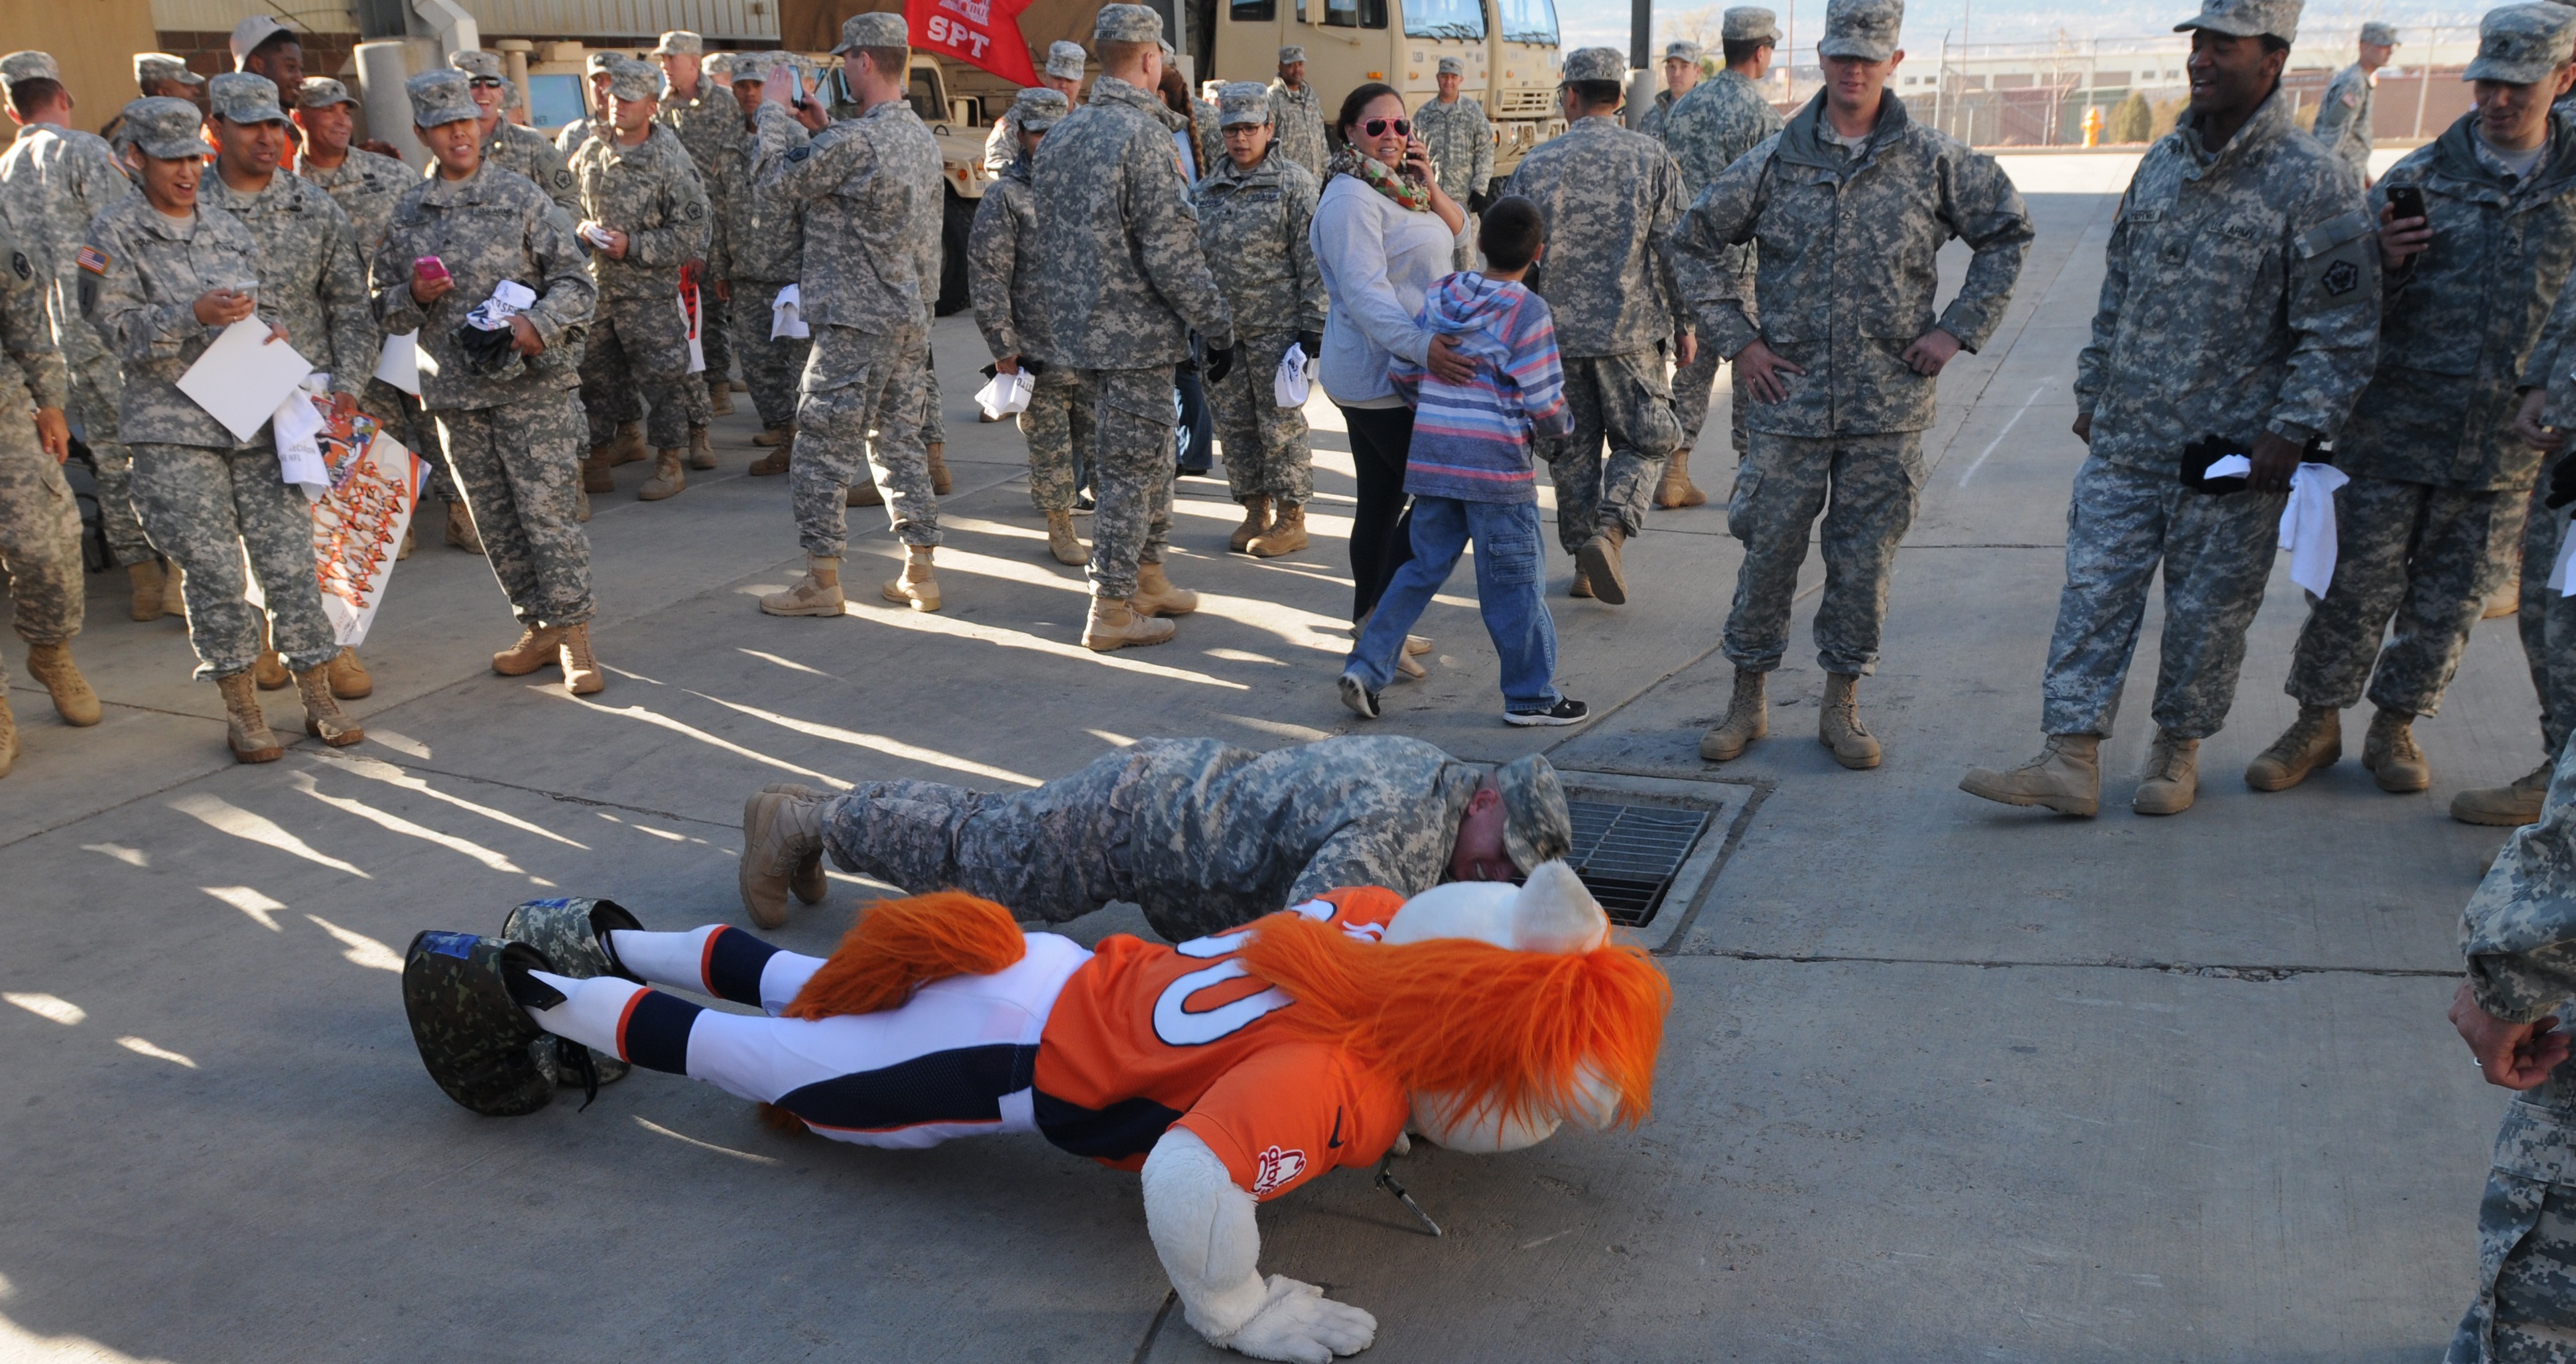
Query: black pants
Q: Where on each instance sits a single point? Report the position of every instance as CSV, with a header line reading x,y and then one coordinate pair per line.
x,y
1382,530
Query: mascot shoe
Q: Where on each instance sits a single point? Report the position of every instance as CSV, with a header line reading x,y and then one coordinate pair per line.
x,y
573,933
468,999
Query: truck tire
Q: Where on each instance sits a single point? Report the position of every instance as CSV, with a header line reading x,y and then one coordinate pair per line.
x,y
956,220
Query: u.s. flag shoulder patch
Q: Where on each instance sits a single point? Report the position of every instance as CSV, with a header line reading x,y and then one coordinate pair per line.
x,y
91,259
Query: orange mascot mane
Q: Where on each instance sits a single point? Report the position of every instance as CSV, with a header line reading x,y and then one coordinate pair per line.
x,y
1466,1018
898,946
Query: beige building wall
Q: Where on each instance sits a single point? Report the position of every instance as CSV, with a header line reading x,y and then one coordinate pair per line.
x,y
94,41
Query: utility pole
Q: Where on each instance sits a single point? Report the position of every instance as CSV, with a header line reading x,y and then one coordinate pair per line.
x,y
1641,33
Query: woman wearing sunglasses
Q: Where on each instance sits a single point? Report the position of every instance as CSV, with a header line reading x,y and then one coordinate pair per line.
x,y
1383,232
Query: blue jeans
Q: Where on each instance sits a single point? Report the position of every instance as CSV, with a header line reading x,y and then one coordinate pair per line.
x,y
1509,566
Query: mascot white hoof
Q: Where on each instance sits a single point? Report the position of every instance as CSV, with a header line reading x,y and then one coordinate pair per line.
x,y
1299,1324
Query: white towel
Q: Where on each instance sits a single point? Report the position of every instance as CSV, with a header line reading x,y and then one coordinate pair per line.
x,y
2308,525
1289,385
509,299
1006,394
2229,466
787,317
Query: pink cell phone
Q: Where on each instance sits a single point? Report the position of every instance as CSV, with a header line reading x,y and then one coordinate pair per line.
x,y
429,268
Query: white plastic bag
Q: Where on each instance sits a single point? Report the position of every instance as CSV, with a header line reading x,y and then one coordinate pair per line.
x,y
1006,394
1289,385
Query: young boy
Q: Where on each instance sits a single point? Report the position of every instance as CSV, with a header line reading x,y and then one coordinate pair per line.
x,y
1472,477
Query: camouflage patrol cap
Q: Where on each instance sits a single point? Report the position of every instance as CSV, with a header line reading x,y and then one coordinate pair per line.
x,y
1038,108
1750,24
165,129
1450,66
879,29
1866,29
27,66
1064,60
320,92
597,63
1596,64
1536,826
1682,52
1291,54
440,97
243,97
718,66
2522,44
2379,34
1241,102
2247,19
478,64
680,42
161,66
629,79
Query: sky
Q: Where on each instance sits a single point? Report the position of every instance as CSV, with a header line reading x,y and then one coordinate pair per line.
x,y
1605,22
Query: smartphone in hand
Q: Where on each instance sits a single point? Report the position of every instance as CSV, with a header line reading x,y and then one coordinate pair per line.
x,y
429,268
2405,201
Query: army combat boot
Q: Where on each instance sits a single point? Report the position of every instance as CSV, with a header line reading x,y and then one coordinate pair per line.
x,y
864,494
595,477
147,581
719,396
2172,779
269,667
667,480
940,482
1115,624
349,679
2313,740
460,527
783,452
1067,547
782,852
1256,519
2065,777
51,664
702,455
535,649
818,593
1677,490
572,654
1155,595
773,436
1600,566
807,881
628,445
1286,535
246,729
2506,807
2390,755
916,587
1839,727
1748,717
323,718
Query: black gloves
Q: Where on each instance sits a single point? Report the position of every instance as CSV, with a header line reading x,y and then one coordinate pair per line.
x,y
2562,485
1311,342
1220,363
1477,201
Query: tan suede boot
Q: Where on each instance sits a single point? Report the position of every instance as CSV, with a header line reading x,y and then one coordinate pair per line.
x,y
1256,519
1067,547
782,836
1582,584
773,436
174,591
460,529
864,495
702,455
2391,756
269,667
581,672
1114,624
2506,807
1287,533
1677,490
535,649
668,477
1748,717
1839,727
595,477
323,718
8,738
917,586
2172,779
1599,559
1155,595
806,881
939,479
818,593
2312,741
777,461
247,729
2065,777
349,679
149,586
719,396
51,664
627,446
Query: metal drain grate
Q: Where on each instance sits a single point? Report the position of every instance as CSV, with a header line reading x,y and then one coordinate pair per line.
x,y
1626,855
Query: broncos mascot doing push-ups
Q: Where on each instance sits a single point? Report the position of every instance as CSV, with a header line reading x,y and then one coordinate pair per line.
x,y
1228,1069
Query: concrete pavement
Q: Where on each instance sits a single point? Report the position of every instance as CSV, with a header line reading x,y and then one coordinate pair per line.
x,y
1943,1080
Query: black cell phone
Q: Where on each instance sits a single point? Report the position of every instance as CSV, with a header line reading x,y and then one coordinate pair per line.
x,y
2405,201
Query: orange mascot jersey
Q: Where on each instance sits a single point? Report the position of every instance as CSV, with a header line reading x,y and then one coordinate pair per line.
x,y
1143,1037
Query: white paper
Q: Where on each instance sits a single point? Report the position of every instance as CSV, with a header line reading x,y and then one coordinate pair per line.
x,y
1005,394
787,316
693,318
358,528
2308,525
400,364
1289,385
241,378
2229,466
294,426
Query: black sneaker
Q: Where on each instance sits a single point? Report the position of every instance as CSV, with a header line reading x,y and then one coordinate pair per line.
x,y
1362,701
1567,711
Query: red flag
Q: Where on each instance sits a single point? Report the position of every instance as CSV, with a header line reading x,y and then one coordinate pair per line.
x,y
983,33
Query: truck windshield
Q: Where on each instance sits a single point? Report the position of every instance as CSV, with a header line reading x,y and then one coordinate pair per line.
x,y
1460,19
1529,21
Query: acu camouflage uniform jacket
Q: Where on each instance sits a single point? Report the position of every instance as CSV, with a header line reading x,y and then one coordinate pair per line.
x,y
312,280
872,191
140,280
1610,198
366,186
1252,229
488,227
1461,143
1124,280
35,377
1002,267
764,228
525,150
650,192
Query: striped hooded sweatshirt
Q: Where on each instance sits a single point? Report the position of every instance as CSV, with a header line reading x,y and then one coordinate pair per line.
x,y
1471,442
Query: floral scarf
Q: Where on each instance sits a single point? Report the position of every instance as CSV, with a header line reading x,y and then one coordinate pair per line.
x,y
1374,174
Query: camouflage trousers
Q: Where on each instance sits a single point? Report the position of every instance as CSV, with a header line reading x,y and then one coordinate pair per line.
x,y
2525,1308
2546,620
1866,488
642,343
40,531
715,330
518,465
1628,401
204,508
934,429
2427,556
401,416
1266,453
2217,554
1132,420
861,412
769,367
1057,425
1056,852
96,389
